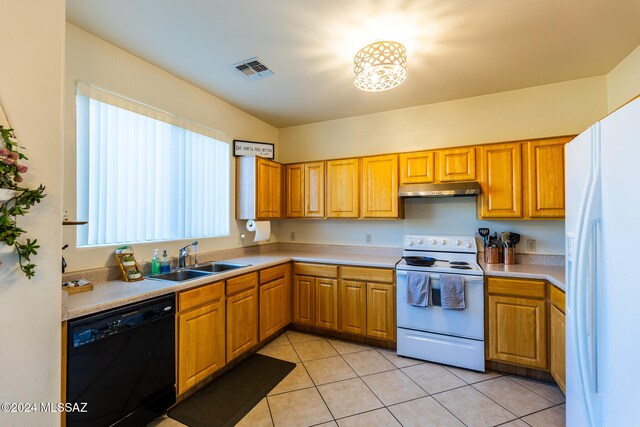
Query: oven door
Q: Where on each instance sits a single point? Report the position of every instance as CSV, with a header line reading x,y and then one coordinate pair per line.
x,y
467,323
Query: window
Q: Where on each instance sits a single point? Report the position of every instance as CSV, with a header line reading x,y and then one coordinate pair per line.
x,y
145,175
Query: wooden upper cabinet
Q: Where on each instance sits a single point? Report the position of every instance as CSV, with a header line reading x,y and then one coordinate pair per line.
x,y
258,188
457,164
343,188
380,187
501,181
269,183
314,177
294,191
417,168
545,177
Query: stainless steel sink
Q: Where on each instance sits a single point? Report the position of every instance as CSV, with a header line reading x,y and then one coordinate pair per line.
x,y
179,275
217,267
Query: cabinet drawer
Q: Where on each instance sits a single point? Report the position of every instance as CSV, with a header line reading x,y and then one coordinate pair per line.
x,y
319,270
517,287
198,296
557,297
242,283
364,274
270,274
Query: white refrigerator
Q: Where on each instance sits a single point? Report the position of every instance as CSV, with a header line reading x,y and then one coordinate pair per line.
x,y
603,287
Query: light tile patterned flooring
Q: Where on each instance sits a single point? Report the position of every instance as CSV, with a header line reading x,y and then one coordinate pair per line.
x,y
337,383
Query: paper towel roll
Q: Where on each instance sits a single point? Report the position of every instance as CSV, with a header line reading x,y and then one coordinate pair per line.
x,y
262,229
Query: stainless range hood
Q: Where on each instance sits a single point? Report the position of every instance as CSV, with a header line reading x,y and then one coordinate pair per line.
x,y
448,189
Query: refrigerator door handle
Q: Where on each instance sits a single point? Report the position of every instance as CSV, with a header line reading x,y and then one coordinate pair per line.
x,y
584,281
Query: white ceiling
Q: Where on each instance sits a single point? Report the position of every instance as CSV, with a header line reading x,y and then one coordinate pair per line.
x,y
456,48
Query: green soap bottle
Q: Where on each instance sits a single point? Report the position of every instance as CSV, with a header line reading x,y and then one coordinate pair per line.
x,y
155,262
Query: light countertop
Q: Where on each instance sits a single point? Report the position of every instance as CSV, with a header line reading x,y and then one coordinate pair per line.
x,y
117,293
553,273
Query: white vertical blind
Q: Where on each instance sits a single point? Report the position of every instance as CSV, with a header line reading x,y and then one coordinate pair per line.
x,y
142,179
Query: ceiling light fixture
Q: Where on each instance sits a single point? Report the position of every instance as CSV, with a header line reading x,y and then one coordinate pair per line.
x,y
379,66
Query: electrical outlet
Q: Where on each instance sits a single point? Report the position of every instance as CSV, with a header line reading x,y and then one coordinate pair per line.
x,y
293,236
367,238
531,245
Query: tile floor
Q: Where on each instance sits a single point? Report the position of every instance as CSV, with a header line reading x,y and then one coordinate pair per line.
x,y
337,383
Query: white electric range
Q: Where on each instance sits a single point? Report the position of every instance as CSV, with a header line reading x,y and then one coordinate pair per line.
x,y
452,337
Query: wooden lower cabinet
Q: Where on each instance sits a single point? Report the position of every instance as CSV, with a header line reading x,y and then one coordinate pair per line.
x,y
353,307
326,303
558,338
381,303
303,299
315,301
517,314
201,338
242,318
274,307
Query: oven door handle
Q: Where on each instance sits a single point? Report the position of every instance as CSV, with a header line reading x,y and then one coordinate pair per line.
x,y
467,279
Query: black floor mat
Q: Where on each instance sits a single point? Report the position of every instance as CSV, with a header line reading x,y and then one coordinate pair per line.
x,y
229,398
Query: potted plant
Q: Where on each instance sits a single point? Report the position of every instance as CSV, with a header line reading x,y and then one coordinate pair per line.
x,y
16,200
128,260
134,274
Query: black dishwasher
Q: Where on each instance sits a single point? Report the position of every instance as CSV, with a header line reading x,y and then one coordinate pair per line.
x,y
121,363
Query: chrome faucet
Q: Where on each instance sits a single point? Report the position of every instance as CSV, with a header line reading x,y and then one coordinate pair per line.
x,y
183,253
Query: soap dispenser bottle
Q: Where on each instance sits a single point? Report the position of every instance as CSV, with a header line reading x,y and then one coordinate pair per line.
x,y
155,262
165,266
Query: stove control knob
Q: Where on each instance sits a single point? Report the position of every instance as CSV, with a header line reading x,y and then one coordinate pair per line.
x,y
410,242
468,244
443,242
420,241
434,241
458,242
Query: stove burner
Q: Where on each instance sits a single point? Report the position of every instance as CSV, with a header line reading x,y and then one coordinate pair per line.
x,y
461,267
458,263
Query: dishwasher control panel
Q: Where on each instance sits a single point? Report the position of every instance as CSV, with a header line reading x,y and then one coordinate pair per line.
x,y
115,322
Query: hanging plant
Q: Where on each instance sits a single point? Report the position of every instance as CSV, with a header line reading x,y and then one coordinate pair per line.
x,y
16,200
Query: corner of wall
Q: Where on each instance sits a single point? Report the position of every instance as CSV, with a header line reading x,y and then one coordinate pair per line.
x,y
623,82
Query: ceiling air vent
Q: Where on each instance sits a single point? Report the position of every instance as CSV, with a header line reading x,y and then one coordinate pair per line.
x,y
253,69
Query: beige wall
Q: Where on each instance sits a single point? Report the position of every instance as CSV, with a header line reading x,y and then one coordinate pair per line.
x,y
93,60
551,110
32,34
623,82
557,109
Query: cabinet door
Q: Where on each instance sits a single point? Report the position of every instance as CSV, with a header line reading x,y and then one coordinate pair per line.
x,y
518,331
303,299
501,181
242,322
381,311
416,168
353,307
343,188
200,343
457,164
380,187
294,198
273,307
326,310
269,185
545,178
314,190
558,349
